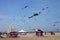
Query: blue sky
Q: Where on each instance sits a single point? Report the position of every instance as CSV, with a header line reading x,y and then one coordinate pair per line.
x,y
13,12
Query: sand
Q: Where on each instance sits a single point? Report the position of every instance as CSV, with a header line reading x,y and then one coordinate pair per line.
x,y
34,37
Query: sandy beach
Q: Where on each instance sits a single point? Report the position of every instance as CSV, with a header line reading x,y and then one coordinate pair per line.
x,y
32,36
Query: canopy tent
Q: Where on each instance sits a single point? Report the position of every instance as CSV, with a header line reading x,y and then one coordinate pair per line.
x,y
22,32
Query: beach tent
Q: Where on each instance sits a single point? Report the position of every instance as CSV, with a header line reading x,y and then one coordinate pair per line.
x,y
22,32
39,32
13,34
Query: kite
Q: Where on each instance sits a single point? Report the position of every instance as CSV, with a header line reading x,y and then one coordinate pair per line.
x,y
13,18
36,14
46,6
43,8
25,7
54,25
56,22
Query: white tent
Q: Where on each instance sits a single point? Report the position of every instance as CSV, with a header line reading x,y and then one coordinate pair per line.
x,y
22,30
